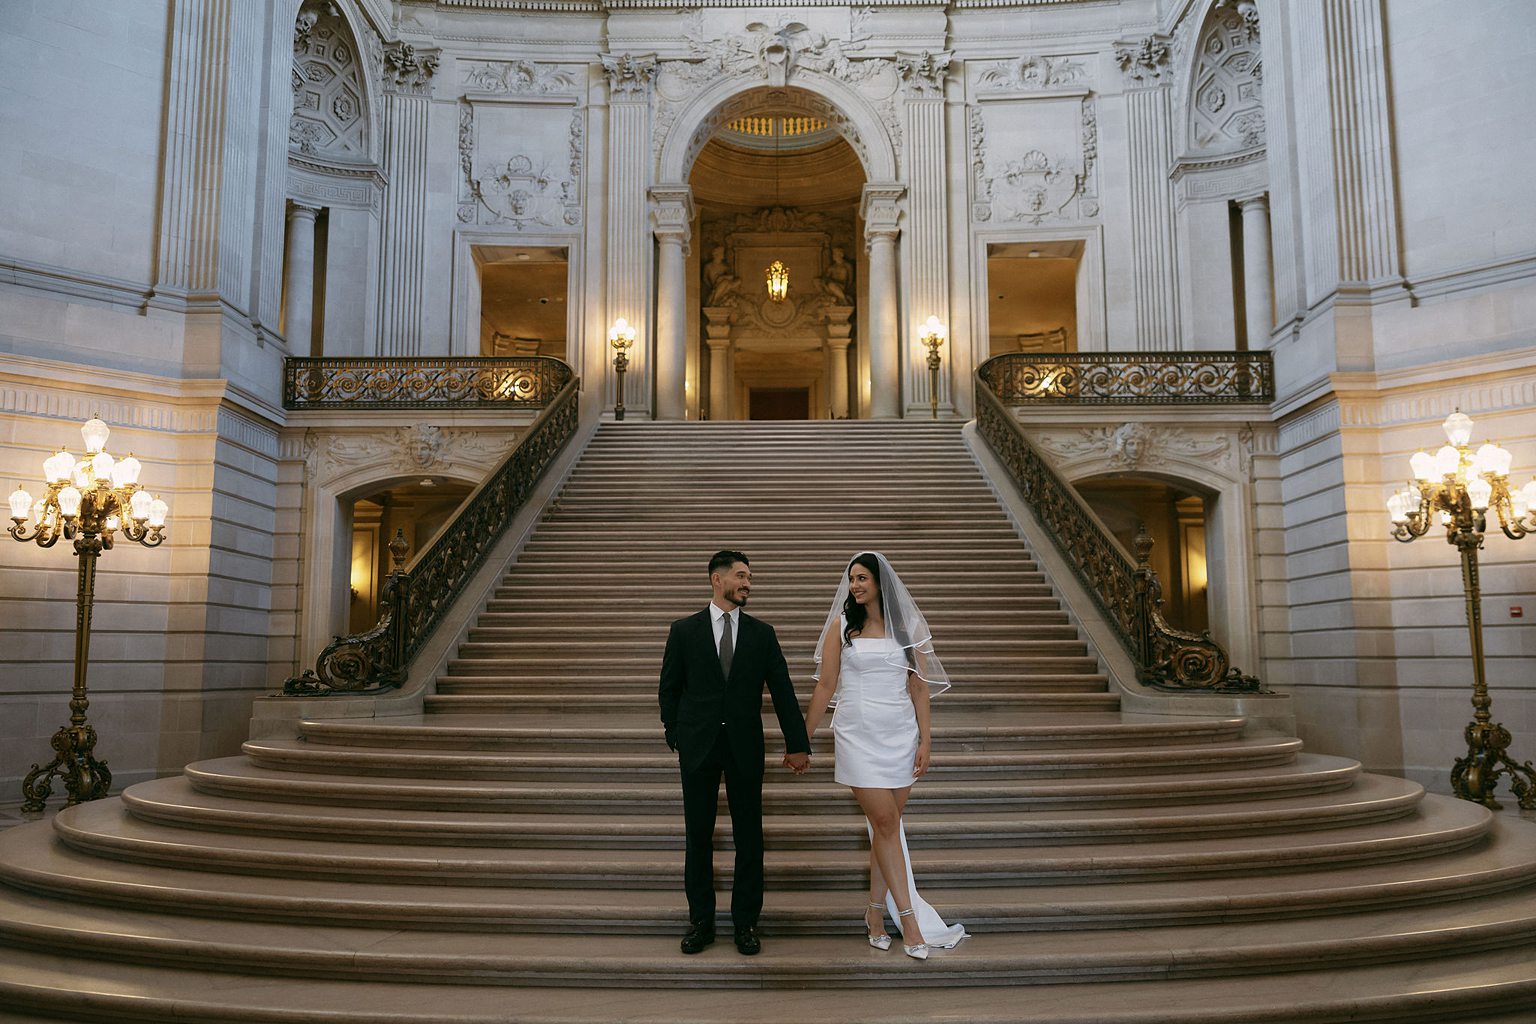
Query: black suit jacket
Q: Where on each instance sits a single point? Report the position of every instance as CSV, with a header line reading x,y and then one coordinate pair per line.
x,y
696,698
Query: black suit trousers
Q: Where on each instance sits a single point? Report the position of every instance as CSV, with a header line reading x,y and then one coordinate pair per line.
x,y
701,798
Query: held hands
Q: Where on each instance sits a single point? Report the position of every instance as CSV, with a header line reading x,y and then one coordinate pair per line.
x,y
797,763
920,763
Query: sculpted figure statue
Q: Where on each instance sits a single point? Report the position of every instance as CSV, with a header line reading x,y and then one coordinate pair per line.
x,y
837,282
720,285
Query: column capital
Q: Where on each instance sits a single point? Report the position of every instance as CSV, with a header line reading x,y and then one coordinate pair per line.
x,y
629,76
407,69
1147,61
1258,202
923,74
672,212
880,206
300,211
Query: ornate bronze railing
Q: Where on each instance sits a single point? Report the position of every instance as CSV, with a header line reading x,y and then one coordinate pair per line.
x,y
1128,593
428,382
1131,378
416,597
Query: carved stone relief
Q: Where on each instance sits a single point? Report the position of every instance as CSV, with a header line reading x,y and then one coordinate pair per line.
x,y
1226,100
1145,62
535,185
629,76
520,77
821,238
772,54
1030,74
410,449
1034,186
406,69
329,115
923,74
1134,445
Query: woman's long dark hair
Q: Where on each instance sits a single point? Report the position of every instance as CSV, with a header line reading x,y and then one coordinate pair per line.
x,y
856,614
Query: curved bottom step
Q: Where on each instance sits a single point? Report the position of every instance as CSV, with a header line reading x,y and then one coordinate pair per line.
x,y
1488,988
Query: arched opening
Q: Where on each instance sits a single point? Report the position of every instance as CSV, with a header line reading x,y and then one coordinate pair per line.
x,y
777,185
1178,518
418,508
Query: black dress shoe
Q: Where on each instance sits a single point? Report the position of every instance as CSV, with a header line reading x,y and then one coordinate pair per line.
x,y
699,936
747,942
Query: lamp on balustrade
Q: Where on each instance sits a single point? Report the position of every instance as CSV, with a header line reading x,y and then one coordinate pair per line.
x,y
90,500
1458,488
621,336
932,339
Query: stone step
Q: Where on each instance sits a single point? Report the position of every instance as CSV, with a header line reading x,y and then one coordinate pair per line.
x,y
104,854
484,658
1081,732
502,698
467,683
1485,987
543,859
293,771
793,961
173,801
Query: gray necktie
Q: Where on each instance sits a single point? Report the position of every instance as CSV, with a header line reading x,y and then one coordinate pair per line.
x,y
726,649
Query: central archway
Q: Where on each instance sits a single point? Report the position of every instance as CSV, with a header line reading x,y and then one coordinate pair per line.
x,y
693,347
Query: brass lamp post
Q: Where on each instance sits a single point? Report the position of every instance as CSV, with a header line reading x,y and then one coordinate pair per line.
x,y
621,336
932,338
1460,488
89,501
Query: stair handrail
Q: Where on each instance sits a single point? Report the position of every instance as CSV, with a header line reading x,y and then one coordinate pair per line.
x,y
416,597
1127,591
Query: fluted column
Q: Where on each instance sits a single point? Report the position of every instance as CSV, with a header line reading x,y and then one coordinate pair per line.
x,y
881,210
672,216
1145,65
628,241
1257,295
299,280
926,243
407,75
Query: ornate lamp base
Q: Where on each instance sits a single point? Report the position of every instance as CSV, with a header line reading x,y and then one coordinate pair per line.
x,y
85,778
1475,776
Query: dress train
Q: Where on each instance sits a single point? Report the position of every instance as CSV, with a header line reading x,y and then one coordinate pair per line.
x,y
935,932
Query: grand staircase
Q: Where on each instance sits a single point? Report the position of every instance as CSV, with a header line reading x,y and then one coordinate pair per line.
x,y
514,852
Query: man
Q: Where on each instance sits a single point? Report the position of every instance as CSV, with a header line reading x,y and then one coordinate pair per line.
x,y
712,676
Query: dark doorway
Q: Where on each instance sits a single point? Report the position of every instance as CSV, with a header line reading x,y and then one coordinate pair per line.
x,y
780,404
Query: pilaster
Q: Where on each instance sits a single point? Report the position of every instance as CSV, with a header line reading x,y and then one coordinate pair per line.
x,y
926,250
672,219
407,75
1148,74
629,242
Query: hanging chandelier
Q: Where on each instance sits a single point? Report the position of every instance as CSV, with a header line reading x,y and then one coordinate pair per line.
x,y
778,280
777,273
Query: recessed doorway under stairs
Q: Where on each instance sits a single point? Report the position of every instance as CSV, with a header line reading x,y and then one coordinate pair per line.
x,y
779,404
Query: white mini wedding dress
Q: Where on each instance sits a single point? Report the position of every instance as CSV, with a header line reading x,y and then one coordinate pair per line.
x,y
875,731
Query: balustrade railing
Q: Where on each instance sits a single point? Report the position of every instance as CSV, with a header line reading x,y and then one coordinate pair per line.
x,y
424,382
1131,378
1128,593
416,597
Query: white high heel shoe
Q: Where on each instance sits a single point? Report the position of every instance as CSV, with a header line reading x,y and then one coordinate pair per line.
x,y
881,941
918,951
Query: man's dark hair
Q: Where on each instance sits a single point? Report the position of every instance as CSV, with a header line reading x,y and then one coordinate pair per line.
x,y
726,559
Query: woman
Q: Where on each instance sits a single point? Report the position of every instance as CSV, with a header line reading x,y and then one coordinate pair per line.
x,y
875,664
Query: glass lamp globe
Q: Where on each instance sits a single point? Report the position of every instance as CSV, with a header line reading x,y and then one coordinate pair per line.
x,y
1458,428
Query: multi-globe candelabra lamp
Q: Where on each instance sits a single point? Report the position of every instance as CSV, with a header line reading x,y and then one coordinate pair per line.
x,y
90,500
1459,489
932,339
622,337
